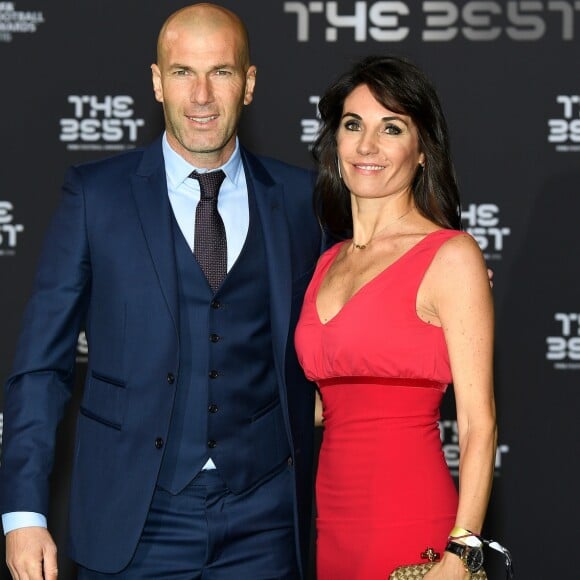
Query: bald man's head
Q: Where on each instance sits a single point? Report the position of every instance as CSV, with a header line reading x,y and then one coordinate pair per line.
x,y
204,17
204,78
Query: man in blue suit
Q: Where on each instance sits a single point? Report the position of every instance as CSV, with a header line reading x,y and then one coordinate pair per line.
x,y
194,441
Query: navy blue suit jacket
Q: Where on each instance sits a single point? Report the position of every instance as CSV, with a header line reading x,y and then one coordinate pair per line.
x,y
108,265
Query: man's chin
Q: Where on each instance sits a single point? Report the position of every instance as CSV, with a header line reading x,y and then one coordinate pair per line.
x,y
197,148
205,147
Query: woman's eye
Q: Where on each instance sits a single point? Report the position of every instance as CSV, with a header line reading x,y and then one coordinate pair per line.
x,y
351,126
392,130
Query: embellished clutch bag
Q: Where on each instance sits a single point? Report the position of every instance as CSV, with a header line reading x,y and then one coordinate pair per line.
x,y
474,564
418,571
470,553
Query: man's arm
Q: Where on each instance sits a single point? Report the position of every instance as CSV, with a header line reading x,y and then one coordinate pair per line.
x,y
40,387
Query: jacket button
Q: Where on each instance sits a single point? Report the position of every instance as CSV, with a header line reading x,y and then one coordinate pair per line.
x,y
290,462
211,444
170,378
158,443
213,408
213,374
214,337
215,304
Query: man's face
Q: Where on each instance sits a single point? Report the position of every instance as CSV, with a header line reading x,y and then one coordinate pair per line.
x,y
202,81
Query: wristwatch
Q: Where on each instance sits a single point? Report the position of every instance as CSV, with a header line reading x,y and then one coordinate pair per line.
x,y
471,556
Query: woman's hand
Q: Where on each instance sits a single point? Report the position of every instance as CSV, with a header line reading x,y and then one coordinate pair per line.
x,y
449,568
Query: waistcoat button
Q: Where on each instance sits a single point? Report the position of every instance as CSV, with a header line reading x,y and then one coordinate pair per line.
x,y
211,444
214,337
213,408
213,374
158,443
215,304
170,378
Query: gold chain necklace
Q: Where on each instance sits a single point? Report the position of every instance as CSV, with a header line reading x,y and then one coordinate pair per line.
x,y
364,246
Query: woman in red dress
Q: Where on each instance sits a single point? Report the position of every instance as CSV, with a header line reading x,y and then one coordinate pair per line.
x,y
394,313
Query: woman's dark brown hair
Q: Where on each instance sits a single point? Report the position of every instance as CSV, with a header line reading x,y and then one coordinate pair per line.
x,y
403,88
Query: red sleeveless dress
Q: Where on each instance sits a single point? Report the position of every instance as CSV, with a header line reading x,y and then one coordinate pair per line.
x,y
383,490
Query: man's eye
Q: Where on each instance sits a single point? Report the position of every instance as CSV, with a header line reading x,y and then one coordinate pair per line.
x,y
180,72
222,72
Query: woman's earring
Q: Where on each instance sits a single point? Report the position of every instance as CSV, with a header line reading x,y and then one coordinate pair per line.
x,y
338,166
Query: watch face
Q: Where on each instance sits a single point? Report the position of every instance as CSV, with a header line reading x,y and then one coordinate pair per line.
x,y
474,559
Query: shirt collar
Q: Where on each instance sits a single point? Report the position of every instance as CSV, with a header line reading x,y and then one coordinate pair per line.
x,y
178,169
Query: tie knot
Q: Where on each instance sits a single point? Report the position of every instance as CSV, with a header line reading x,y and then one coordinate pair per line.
x,y
209,183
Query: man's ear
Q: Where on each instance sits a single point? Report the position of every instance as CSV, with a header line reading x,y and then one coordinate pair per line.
x,y
250,85
157,84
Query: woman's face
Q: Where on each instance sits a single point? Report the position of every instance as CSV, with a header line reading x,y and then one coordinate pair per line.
x,y
378,149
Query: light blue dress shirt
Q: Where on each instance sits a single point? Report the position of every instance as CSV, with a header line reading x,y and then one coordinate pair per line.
x,y
184,195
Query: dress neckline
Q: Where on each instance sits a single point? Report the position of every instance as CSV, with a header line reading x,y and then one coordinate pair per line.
x,y
370,282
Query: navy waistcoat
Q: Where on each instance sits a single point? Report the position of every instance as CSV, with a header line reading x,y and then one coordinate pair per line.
x,y
227,404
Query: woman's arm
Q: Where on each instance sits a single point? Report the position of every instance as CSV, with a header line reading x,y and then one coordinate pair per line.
x,y
462,299
318,416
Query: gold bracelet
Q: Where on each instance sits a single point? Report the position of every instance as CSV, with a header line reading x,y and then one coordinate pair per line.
x,y
466,536
458,532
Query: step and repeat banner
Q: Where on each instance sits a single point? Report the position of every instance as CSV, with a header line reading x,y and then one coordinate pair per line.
x,y
76,86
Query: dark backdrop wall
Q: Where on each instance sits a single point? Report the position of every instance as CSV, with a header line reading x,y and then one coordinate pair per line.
x,y
76,86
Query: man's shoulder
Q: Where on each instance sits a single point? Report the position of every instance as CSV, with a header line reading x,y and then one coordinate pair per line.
x,y
145,160
278,168
279,165
119,161
109,176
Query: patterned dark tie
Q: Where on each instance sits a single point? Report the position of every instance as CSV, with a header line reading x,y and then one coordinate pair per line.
x,y
210,246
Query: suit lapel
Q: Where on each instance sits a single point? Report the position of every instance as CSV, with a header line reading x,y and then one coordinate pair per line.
x,y
269,197
151,198
149,186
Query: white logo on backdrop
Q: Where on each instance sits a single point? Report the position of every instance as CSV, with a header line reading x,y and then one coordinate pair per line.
x,y
564,346
100,123
14,21
450,442
9,231
82,348
311,126
564,130
482,222
443,21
